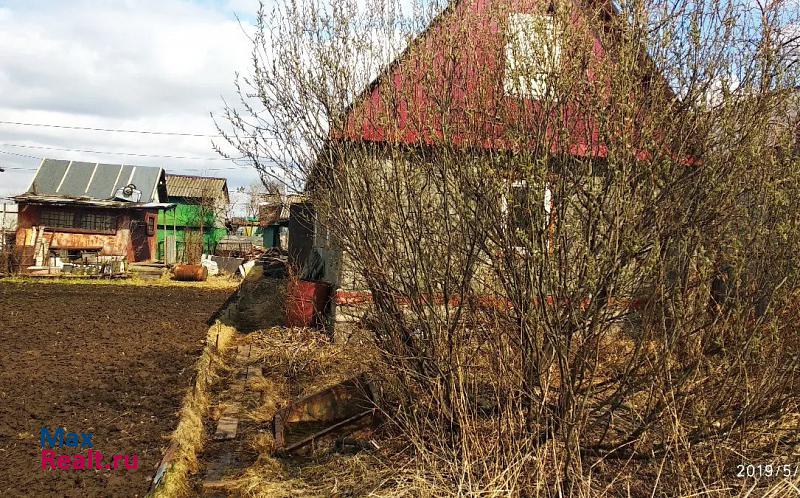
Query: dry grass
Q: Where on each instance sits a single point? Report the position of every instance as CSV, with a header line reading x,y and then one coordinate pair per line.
x,y
305,361
333,475
219,282
295,363
414,459
188,438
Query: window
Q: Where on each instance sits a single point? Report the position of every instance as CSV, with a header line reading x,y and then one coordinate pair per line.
x,y
57,219
533,54
78,220
519,214
520,201
96,222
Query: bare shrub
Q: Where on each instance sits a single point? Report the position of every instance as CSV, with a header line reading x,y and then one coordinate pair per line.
x,y
582,262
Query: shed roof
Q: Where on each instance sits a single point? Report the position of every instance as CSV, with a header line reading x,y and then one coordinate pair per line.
x,y
57,200
197,186
95,181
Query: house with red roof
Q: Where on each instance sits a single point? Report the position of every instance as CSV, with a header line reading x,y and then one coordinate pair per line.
x,y
488,77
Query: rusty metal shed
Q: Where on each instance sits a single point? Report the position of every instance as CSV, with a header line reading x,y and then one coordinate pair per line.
x,y
81,211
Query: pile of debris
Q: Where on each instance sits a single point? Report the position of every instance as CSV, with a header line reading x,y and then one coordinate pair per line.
x,y
240,246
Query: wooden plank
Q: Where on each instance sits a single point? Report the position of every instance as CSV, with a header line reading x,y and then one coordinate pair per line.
x,y
327,430
243,353
226,428
228,423
170,248
216,470
165,464
278,428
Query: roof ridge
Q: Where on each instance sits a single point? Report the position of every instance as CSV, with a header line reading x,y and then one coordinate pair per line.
x,y
176,175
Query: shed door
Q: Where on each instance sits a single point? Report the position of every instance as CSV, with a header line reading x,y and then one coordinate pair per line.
x,y
141,227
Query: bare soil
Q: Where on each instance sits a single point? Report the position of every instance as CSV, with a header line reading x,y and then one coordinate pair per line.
x,y
114,360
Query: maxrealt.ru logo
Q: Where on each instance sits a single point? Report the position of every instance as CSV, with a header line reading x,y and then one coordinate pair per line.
x,y
78,441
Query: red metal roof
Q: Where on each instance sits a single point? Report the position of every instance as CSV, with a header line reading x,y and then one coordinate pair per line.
x,y
447,87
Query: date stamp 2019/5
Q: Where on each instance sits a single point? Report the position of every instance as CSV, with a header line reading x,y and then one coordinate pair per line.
x,y
768,470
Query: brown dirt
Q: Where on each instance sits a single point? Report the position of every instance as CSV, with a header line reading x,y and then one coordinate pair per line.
x,y
114,360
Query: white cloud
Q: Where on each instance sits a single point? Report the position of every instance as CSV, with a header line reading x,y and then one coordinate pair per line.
x,y
151,65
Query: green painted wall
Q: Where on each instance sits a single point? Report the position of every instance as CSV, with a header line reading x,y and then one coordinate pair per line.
x,y
185,215
210,239
187,219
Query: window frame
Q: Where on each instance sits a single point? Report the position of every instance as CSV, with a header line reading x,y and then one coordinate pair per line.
x,y
548,206
520,40
80,221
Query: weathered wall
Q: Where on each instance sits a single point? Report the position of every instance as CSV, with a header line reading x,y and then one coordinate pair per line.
x,y
211,237
119,243
352,295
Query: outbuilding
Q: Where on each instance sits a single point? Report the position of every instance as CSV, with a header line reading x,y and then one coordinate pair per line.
x,y
197,222
76,211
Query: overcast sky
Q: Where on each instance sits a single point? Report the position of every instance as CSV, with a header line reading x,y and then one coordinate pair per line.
x,y
153,65
157,65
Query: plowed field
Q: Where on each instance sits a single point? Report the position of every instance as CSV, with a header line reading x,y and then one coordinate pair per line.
x,y
111,360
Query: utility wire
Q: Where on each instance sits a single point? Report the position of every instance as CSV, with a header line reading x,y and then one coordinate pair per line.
x,y
233,160
18,154
112,130
122,130
135,154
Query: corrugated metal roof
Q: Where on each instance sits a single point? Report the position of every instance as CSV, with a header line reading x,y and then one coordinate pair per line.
x,y
95,181
58,200
196,186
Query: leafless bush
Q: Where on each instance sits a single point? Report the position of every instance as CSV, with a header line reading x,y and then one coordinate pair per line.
x,y
583,262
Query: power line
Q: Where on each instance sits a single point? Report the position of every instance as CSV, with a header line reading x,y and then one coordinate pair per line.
x,y
135,154
238,167
112,130
233,160
18,154
123,130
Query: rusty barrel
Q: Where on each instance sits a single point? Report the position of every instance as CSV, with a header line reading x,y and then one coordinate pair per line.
x,y
306,302
192,273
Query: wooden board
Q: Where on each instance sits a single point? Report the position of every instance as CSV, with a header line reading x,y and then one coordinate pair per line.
x,y
228,423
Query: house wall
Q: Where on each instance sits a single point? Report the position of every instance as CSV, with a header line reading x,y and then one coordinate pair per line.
x,y
352,294
187,214
211,237
187,218
119,243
